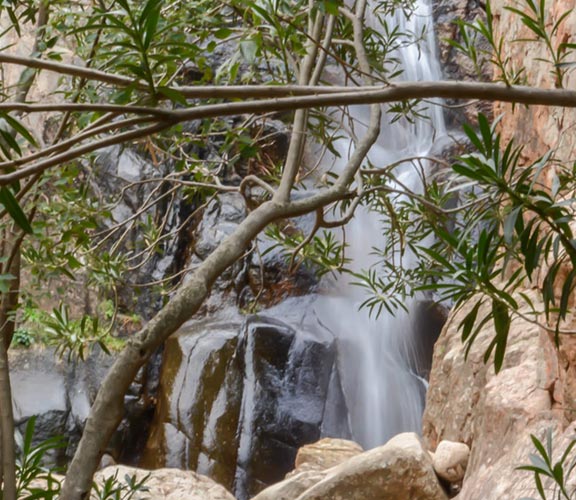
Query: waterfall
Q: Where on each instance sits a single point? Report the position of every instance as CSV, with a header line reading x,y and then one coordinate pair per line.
x,y
240,394
383,395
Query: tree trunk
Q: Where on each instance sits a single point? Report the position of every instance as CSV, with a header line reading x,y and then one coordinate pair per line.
x,y
7,428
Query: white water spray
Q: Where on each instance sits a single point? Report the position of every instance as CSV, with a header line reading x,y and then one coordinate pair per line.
x,y
383,395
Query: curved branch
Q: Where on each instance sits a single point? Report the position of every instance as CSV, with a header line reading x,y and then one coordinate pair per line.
x,y
382,93
82,150
119,109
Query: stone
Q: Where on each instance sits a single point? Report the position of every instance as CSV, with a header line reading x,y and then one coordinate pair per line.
x,y
292,487
59,395
312,463
324,454
401,469
450,460
494,414
238,399
107,460
167,484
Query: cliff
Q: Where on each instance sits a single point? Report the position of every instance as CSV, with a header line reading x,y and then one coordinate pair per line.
x,y
534,392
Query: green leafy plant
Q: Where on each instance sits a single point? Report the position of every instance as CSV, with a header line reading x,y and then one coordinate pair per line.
x,y
23,337
543,466
35,480
470,34
72,336
545,30
322,252
505,214
115,489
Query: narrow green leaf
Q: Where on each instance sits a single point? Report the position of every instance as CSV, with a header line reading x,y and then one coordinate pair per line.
x,y
468,322
223,33
13,208
173,95
502,327
19,128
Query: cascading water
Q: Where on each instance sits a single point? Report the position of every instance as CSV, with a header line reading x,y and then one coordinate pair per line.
x,y
239,394
382,393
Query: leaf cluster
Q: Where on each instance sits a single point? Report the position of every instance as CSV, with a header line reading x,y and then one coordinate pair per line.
x,y
543,466
504,227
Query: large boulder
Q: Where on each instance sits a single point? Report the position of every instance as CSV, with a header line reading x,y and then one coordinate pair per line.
x,y
401,469
166,484
312,464
237,400
496,413
59,395
324,454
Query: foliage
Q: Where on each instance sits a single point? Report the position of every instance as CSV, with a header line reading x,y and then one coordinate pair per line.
x,y
324,252
142,92
23,337
472,33
543,466
35,479
74,337
115,489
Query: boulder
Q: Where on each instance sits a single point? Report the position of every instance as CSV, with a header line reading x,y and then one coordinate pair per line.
x,y
450,460
166,484
59,395
312,463
293,486
496,413
237,400
324,454
401,469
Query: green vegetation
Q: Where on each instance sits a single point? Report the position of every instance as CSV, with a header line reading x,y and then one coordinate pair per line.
x,y
191,87
543,466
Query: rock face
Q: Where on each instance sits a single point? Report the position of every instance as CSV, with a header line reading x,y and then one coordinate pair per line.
x,y
495,414
236,400
534,392
401,469
59,395
455,65
537,128
167,484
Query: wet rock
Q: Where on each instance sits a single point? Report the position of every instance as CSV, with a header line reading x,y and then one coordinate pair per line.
x,y
198,403
290,378
456,65
237,400
220,219
166,484
40,393
118,172
59,394
429,318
